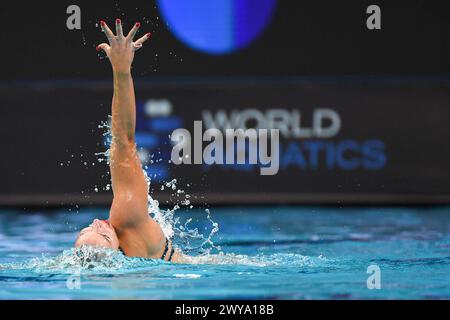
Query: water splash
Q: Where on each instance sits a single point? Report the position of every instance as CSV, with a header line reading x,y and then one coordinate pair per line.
x,y
187,239
74,260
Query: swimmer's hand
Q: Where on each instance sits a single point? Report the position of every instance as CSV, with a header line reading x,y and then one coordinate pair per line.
x,y
120,49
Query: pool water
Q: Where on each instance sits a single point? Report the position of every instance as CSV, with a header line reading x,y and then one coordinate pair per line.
x,y
265,253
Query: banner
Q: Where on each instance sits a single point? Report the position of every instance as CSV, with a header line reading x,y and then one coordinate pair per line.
x,y
343,140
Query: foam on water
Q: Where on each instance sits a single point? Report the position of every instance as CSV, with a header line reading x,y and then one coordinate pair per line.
x,y
260,260
75,259
87,259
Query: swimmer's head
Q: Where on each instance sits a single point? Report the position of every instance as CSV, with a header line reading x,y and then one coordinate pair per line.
x,y
99,233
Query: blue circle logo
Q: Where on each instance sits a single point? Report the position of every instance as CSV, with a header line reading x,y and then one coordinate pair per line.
x,y
217,26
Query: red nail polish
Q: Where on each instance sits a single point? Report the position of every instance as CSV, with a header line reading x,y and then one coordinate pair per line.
x,y
98,48
138,24
148,34
118,21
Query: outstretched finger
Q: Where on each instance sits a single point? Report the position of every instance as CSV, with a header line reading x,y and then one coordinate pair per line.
x,y
138,43
119,32
133,31
103,46
109,34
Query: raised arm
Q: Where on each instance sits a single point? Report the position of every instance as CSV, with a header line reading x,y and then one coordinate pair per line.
x,y
138,234
120,52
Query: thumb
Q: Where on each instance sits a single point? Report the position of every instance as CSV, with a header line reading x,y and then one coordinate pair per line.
x,y
137,46
103,46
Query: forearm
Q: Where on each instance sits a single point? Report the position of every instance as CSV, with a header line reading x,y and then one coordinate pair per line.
x,y
123,109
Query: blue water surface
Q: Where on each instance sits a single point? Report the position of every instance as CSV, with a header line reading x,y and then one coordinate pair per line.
x,y
265,253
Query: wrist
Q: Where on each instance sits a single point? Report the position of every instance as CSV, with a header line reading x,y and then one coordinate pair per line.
x,y
121,72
